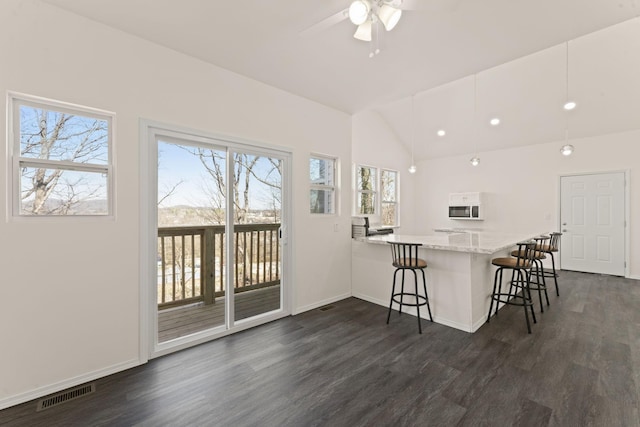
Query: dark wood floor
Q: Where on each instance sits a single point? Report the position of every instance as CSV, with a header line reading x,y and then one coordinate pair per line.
x,y
346,367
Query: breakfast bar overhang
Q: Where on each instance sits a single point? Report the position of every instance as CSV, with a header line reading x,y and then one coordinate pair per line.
x,y
459,272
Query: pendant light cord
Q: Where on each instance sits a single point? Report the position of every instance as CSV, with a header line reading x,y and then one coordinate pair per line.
x,y
566,68
566,116
413,128
475,113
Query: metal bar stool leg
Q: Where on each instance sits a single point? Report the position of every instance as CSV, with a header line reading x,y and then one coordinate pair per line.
x,y
495,283
424,284
544,282
401,294
527,289
524,299
415,281
536,263
555,275
500,283
513,285
393,291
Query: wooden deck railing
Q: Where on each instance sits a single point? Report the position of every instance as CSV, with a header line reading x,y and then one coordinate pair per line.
x,y
191,263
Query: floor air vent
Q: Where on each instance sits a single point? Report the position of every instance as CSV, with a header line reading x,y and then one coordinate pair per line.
x,y
326,307
65,396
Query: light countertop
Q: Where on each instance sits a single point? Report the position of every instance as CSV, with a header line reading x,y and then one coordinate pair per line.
x,y
482,242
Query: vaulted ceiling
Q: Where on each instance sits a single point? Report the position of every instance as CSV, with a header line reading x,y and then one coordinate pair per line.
x,y
462,61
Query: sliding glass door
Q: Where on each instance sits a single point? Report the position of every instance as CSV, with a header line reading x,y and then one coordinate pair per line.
x,y
220,259
257,183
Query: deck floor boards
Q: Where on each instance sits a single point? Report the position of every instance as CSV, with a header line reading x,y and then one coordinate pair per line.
x,y
181,321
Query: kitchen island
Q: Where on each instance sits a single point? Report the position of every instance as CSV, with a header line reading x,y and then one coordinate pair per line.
x,y
459,273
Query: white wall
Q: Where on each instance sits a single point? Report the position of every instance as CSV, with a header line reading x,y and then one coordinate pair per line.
x,y
375,144
521,185
70,307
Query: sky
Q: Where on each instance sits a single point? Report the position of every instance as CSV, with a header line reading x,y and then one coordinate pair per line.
x,y
177,165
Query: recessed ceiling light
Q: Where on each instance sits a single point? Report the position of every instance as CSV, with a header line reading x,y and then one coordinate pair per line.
x,y
495,121
441,132
570,105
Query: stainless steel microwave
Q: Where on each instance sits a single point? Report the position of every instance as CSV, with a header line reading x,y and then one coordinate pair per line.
x,y
464,212
466,206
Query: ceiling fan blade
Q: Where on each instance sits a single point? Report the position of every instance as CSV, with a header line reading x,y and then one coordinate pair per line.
x,y
326,23
430,5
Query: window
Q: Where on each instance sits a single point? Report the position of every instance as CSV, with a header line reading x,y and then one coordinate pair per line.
x,y
369,201
366,184
389,187
322,195
61,158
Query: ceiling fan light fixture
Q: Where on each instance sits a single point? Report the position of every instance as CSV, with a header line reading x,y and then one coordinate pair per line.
x,y
359,11
475,161
413,169
363,32
389,16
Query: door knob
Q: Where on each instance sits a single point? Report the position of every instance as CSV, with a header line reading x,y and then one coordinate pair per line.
x,y
564,230
564,223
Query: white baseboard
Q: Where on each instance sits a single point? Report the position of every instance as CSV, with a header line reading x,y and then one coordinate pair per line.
x,y
320,303
63,385
633,277
478,324
372,300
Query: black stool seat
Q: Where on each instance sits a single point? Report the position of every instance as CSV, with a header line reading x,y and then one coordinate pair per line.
x,y
520,267
405,257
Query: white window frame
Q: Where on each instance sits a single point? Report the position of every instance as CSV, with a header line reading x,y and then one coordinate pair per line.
x,y
333,188
16,162
377,192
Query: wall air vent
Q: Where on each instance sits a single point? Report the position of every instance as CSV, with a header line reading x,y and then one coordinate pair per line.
x,y
65,396
326,307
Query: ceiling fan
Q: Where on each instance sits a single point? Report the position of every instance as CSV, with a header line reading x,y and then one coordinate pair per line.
x,y
365,13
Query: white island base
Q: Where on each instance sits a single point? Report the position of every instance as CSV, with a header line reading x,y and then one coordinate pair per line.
x,y
459,273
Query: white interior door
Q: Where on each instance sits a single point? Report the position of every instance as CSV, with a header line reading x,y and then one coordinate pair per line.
x,y
592,214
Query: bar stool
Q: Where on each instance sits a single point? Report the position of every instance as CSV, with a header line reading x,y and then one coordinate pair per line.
x,y
537,256
519,265
551,248
405,257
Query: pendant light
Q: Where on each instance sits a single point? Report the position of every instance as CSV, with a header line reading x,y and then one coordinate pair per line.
x,y
567,149
568,103
412,168
475,160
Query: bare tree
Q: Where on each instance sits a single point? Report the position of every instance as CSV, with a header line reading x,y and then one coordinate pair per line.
x,y
244,173
50,135
168,192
